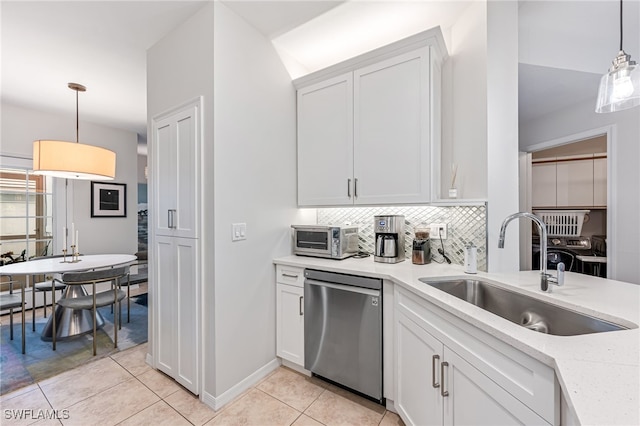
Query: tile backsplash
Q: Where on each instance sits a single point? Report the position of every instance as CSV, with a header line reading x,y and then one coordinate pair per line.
x,y
466,224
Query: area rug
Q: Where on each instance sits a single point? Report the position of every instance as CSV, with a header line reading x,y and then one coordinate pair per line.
x,y
41,362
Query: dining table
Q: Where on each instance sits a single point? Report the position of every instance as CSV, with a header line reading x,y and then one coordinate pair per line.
x,y
70,322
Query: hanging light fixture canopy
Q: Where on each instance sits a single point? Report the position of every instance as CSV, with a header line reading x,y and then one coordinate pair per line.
x,y
620,87
73,160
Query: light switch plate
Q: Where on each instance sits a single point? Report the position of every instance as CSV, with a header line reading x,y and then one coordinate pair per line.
x,y
238,231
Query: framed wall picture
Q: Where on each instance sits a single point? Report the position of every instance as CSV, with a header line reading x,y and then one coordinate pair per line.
x,y
108,199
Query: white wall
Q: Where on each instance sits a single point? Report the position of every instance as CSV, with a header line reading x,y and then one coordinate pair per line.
x,y
480,128
179,69
624,173
255,182
248,175
502,132
465,105
21,126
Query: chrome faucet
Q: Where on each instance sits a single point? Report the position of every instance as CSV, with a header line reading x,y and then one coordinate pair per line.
x,y
545,278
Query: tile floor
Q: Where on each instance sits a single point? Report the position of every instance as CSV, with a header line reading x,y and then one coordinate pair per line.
x,y
122,389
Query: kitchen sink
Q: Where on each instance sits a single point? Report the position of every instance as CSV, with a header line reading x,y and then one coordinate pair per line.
x,y
518,308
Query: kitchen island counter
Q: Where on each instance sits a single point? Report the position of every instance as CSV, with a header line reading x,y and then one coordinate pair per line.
x,y
599,374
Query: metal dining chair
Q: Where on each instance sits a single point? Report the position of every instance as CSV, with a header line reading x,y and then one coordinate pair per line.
x,y
12,301
140,277
94,300
44,287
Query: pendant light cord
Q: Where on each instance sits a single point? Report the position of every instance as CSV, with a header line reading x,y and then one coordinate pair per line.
x,y
78,88
78,118
620,25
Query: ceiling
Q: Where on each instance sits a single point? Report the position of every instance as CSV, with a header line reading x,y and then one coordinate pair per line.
x,y
102,45
565,46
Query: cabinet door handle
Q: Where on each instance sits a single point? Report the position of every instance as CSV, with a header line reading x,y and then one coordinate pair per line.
x,y
355,187
289,275
349,187
172,218
442,366
433,371
300,305
169,221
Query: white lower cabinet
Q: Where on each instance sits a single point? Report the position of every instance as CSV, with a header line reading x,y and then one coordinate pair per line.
x,y
177,325
474,399
417,400
290,314
447,375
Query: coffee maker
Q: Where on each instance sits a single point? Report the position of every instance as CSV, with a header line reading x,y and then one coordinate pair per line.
x,y
389,233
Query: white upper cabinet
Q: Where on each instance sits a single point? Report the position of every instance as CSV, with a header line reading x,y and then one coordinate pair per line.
x,y
367,127
325,147
543,191
176,170
575,182
600,182
391,130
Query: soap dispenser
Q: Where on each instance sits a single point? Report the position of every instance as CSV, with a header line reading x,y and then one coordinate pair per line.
x,y
471,259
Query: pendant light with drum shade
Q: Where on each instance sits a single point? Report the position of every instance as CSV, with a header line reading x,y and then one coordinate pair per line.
x,y
73,160
620,87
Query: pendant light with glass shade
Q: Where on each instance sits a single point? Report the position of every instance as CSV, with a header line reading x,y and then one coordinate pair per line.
x,y
73,160
620,87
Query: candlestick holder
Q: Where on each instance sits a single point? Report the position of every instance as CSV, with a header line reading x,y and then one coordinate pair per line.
x,y
64,255
74,255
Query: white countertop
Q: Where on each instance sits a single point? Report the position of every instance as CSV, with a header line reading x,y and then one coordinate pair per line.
x,y
599,373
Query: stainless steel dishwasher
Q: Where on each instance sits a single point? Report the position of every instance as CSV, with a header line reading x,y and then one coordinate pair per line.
x,y
343,330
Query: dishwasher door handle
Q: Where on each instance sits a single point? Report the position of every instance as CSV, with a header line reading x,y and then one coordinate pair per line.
x,y
350,288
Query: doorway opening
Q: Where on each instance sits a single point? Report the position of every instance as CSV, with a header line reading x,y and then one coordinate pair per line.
x,y
568,180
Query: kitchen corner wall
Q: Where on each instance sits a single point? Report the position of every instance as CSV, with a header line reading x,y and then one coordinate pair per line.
x,y
466,224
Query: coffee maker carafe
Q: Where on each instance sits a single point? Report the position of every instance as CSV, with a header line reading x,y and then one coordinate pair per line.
x,y
389,234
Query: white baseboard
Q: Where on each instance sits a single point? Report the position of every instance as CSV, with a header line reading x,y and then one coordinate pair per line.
x,y
218,402
149,360
208,399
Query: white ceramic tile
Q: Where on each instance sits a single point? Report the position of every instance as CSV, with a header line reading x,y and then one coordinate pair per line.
x,y
159,383
256,408
190,407
112,405
292,388
158,414
83,382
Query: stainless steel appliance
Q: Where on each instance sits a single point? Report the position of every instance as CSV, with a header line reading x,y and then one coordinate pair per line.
x,y
599,245
598,266
561,250
421,252
389,237
333,242
343,330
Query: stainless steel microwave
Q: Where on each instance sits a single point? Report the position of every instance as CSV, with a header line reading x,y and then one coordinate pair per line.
x,y
333,242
